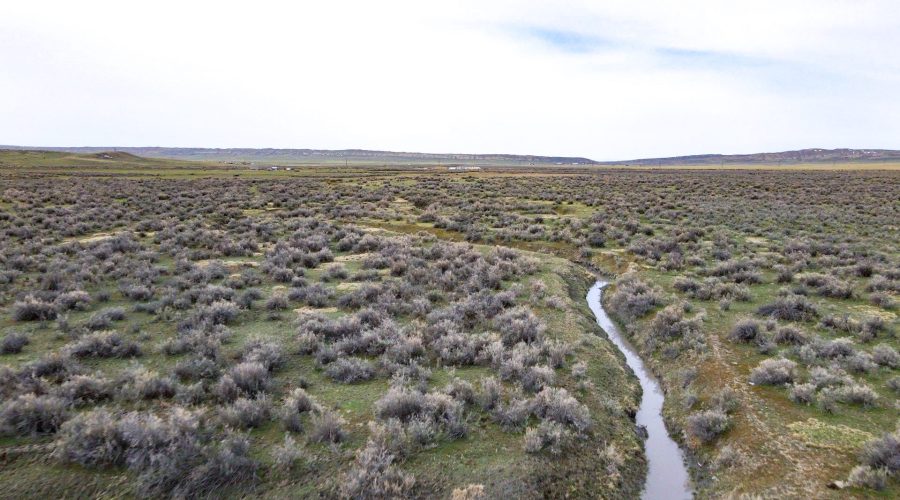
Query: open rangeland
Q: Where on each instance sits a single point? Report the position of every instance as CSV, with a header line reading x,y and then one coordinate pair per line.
x,y
178,329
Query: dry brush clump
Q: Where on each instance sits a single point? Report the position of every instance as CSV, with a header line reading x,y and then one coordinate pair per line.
x,y
31,415
774,372
170,455
706,426
880,461
790,308
13,343
33,309
670,328
375,475
634,298
108,344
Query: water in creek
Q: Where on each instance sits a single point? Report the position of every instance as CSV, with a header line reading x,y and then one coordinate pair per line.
x,y
667,476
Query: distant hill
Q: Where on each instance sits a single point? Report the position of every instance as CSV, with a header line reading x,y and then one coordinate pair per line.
x,y
12,158
814,155
319,156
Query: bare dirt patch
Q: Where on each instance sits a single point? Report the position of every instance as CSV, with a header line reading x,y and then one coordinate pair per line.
x,y
96,237
352,257
313,310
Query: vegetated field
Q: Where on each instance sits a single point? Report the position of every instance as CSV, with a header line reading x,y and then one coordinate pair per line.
x,y
420,333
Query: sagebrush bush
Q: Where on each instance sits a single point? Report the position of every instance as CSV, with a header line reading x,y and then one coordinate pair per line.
x,y
460,390
296,403
218,313
883,452
548,435
335,272
103,319
269,354
790,335
92,439
197,368
139,383
857,393
558,405
745,330
537,377
33,309
633,298
400,403
894,384
860,362
32,415
708,425
137,292
828,377
13,343
790,308
288,454
349,370
490,393
251,377
82,390
191,394
835,349
108,344
277,302
170,457
315,295
56,367
373,475
774,372
512,415
728,457
803,393
327,426
246,413
863,476
75,300
725,400
826,285
444,412
885,355
519,325
456,349
219,466
883,300
670,324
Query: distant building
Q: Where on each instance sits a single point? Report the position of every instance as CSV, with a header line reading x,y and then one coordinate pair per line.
x,y
462,168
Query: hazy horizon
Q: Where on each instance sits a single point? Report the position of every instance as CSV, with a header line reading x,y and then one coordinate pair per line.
x,y
433,153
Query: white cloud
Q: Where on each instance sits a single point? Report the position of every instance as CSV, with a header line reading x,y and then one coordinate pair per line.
x,y
609,79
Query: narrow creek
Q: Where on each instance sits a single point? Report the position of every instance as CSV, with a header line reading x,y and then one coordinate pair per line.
x,y
667,476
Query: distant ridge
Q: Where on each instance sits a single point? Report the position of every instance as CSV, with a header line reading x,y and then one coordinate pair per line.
x,y
812,155
271,156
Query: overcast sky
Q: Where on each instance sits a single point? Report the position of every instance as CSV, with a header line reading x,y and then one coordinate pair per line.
x,y
602,79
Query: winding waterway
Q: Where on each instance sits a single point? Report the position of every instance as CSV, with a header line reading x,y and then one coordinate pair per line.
x,y
667,476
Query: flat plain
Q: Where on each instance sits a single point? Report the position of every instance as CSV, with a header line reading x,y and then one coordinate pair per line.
x,y
180,328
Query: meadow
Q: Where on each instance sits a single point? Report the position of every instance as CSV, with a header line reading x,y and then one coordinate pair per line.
x,y
185,330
